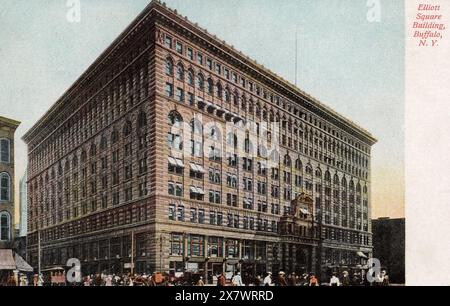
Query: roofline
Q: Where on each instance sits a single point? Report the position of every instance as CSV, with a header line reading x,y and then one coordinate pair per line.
x,y
202,33
11,122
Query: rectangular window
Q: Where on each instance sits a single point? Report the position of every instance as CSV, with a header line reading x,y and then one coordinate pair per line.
x,y
193,215
176,244
169,90
201,216
196,246
5,151
190,54
172,212
200,58
168,41
179,47
180,95
212,218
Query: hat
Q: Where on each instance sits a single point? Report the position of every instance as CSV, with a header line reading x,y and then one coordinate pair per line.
x,y
281,273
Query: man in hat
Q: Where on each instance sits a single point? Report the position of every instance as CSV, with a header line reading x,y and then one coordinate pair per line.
x,y
282,279
346,279
268,279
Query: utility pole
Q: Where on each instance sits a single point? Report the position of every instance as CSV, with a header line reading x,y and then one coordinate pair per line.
x,y
39,252
132,252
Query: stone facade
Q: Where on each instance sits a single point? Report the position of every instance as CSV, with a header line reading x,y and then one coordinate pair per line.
x,y
135,165
7,232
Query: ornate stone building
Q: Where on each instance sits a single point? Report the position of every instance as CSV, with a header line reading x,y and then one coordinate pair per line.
x,y
7,130
138,165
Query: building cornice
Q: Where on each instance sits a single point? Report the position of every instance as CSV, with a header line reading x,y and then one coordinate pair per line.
x,y
11,123
212,42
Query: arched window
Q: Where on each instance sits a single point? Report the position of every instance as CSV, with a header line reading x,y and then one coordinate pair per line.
x,y
114,137
336,179
180,72
298,164
352,186
232,140
365,189
358,188
5,187
67,166
5,226
103,143
74,163
318,173
227,96
219,90
175,134
215,133
327,176
308,170
196,127
5,150
142,120
287,161
169,66
127,128
344,182
209,86
200,82
190,77
275,156
175,119
93,150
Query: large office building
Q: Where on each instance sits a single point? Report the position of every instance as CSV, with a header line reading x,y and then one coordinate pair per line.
x,y
159,158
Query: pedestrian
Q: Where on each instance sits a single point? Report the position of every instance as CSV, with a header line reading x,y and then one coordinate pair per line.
x,y
268,279
292,280
334,281
313,281
221,280
258,281
282,279
200,282
345,279
237,280
384,278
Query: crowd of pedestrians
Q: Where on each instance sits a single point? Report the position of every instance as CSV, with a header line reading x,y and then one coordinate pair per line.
x,y
157,279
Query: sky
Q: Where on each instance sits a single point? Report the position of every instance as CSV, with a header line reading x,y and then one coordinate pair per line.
x,y
347,62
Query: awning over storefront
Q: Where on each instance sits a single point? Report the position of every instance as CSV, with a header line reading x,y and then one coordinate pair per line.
x,y
7,260
21,264
361,254
10,261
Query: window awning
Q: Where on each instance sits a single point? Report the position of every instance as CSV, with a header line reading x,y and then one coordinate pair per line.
x,y
7,260
173,162
21,264
200,191
194,167
176,162
194,189
201,169
361,254
179,163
